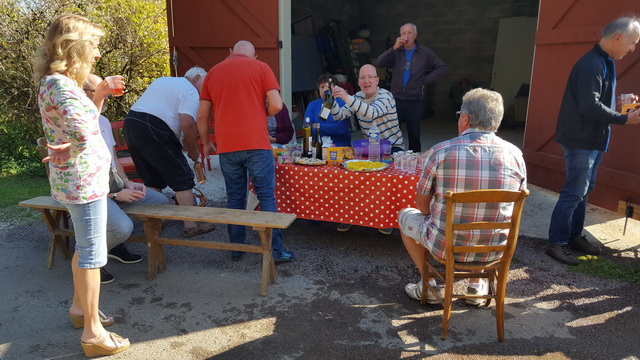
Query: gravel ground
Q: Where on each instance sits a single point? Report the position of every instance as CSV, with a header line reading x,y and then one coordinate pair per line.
x,y
342,298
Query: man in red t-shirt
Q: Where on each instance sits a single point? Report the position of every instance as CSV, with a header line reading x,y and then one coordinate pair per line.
x,y
236,90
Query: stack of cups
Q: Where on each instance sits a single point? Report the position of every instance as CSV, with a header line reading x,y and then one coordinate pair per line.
x,y
411,161
398,159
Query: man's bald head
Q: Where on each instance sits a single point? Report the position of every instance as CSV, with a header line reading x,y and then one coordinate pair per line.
x,y
245,48
368,69
90,83
89,86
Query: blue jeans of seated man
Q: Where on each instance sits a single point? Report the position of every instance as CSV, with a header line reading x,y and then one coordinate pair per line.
x,y
567,220
120,225
260,167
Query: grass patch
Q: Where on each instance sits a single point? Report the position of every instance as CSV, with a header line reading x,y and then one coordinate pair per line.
x,y
15,188
607,269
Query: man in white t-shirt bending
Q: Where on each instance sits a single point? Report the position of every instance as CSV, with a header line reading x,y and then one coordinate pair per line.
x,y
153,130
119,225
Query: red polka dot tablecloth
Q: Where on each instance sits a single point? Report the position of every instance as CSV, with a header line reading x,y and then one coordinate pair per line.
x,y
331,193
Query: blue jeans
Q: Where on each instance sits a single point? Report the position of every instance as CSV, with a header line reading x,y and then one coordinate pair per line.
x,y
90,227
567,220
260,167
119,225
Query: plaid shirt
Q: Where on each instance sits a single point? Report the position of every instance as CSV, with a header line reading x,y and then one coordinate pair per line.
x,y
475,160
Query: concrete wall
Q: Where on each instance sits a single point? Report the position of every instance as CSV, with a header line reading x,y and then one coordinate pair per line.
x,y
462,33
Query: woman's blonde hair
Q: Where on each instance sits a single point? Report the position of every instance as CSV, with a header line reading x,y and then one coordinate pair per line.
x,y
67,45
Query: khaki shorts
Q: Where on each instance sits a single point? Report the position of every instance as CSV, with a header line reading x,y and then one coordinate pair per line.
x,y
412,223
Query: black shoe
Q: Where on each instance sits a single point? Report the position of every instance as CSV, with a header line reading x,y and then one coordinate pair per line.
x,y
237,255
105,277
583,245
563,254
123,255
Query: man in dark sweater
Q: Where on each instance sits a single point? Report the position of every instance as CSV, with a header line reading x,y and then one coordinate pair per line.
x,y
587,110
414,67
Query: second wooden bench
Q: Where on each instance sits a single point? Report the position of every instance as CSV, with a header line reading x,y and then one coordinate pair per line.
x,y
152,215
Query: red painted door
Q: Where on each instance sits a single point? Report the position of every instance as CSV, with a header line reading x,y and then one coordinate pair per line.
x,y
201,32
566,30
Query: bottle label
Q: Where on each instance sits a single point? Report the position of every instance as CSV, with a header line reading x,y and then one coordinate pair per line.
x,y
314,153
324,113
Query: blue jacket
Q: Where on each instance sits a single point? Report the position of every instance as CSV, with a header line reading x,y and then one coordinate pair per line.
x,y
426,67
585,112
340,131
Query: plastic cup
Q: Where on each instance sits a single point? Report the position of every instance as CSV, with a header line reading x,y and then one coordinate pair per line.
x,y
357,153
116,83
412,161
386,154
627,99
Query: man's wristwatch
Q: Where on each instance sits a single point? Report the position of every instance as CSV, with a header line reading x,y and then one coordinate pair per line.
x,y
115,196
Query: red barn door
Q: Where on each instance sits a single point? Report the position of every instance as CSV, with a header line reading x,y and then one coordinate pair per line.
x,y
202,31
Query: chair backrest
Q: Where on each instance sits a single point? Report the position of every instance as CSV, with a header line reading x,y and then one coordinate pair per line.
x,y
478,197
41,146
118,135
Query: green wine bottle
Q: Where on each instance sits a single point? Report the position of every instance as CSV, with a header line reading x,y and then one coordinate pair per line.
x,y
306,138
327,103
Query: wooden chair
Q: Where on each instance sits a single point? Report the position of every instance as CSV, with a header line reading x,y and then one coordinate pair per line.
x,y
57,220
494,271
121,145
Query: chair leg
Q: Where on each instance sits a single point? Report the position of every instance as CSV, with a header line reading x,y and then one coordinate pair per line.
x,y
448,294
501,290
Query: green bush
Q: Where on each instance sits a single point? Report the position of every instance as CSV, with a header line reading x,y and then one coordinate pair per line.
x,y
135,46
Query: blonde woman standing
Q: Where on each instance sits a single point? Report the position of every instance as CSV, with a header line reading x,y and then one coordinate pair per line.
x,y
79,164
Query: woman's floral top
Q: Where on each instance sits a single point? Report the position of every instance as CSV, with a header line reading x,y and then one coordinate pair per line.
x,y
68,116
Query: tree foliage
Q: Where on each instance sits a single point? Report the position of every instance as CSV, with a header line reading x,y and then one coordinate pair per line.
x,y
135,46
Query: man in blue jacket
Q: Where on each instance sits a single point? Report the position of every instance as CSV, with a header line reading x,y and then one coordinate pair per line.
x,y
414,67
587,110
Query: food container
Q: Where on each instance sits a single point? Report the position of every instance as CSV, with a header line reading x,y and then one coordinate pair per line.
x,y
385,146
335,155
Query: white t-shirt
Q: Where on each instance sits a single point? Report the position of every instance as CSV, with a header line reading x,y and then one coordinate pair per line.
x,y
107,135
168,98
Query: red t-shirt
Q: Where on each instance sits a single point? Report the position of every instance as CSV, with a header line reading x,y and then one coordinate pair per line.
x,y
238,87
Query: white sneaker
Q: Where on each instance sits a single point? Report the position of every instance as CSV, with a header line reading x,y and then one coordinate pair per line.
x,y
344,227
481,288
415,292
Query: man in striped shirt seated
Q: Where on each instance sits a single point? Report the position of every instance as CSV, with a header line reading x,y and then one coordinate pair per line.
x,y
475,160
370,105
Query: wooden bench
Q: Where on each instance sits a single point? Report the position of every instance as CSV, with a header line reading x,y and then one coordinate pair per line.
x,y
54,213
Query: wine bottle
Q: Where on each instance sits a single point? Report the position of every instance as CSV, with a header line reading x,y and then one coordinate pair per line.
x,y
197,168
317,143
306,138
327,103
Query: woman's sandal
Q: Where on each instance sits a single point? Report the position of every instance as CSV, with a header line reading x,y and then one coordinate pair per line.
x,y
91,350
77,321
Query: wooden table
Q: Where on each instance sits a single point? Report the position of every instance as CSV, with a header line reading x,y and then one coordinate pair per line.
x,y
331,193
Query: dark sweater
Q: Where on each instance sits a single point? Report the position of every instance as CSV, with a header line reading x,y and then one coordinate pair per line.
x,y
426,68
585,112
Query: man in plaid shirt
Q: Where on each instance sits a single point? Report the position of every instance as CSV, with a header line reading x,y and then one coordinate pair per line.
x,y
475,160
